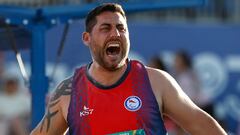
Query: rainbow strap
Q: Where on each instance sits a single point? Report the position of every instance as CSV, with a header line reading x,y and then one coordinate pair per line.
x,y
131,132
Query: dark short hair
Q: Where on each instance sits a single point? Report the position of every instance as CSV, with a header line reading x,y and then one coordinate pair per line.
x,y
91,17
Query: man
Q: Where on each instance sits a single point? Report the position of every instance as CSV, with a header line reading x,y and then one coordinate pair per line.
x,y
115,95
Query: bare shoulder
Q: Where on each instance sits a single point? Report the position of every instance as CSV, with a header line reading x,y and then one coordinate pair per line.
x,y
63,89
61,96
166,89
165,86
157,73
163,81
159,80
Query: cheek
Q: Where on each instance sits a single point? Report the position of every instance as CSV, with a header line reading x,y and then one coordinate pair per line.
x,y
98,40
95,48
126,37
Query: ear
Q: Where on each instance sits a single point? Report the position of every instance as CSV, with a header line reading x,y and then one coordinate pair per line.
x,y
86,38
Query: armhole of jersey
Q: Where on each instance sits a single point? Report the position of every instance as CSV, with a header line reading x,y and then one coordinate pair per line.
x,y
145,71
76,74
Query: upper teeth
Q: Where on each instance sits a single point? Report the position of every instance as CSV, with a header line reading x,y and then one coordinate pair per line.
x,y
113,45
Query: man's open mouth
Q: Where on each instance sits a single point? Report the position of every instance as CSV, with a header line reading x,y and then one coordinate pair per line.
x,y
113,49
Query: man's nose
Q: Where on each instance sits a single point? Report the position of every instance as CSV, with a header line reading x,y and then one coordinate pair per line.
x,y
115,32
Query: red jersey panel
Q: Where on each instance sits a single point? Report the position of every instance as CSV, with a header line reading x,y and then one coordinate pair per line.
x,y
128,105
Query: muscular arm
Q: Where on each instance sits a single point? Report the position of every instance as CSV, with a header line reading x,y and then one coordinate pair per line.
x,y
53,122
177,105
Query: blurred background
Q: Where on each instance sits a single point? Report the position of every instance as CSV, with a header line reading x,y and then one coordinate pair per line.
x,y
196,41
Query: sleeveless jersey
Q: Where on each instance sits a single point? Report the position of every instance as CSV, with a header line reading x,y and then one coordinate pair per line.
x,y
127,107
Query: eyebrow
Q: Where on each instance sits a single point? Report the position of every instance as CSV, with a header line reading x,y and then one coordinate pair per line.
x,y
108,24
105,24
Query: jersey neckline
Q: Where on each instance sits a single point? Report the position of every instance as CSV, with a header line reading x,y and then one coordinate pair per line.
x,y
106,87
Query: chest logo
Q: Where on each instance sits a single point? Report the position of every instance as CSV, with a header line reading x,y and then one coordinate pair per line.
x,y
86,111
133,103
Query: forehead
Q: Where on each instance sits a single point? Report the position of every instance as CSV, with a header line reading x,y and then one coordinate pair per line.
x,y
110,18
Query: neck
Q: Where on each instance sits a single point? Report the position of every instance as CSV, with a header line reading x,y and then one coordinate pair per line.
x,y
104,76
